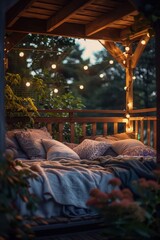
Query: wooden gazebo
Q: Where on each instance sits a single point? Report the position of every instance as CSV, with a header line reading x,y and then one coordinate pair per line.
x,y
122,21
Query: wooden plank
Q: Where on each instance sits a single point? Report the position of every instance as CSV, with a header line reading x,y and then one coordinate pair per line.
x,y
61,127
105,128
16,11
103,21
115,126
94,129
65,13
155,137
149,133
142,130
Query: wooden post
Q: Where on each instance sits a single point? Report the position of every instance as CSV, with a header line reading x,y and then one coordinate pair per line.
x,y
129,86
2,80
157,60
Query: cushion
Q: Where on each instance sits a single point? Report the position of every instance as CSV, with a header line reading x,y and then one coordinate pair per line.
x,y
121,136
57,150
140,151
11,149
104,139
31,144
90,149
39,133
110,152
122,145
11,135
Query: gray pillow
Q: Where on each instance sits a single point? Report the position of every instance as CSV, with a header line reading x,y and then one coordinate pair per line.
x,y
31,144
57,150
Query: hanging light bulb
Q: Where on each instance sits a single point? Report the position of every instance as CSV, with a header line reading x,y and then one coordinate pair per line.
x,y
127,115
28,84
81,87
111,61
143,42
124,61
134,77
127,48
53,66
85,67
125,88
21,54
101,75
55,90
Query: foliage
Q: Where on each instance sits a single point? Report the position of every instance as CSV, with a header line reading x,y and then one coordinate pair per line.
x,y
14,185
126,217
17,105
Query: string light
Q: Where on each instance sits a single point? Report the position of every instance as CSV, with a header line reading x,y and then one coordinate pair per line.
x,y
81,87
143,42
55,90
28,84
125,88
127,115
85,67
53,66
111,61
21,54
124,61
134,77
127,48
101,75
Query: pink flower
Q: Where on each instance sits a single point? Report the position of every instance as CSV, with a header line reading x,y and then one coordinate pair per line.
x,y
153,184
127,193
115,182
124,203
94,192
116,194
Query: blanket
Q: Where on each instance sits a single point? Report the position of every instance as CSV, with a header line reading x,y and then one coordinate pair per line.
x,y
63,186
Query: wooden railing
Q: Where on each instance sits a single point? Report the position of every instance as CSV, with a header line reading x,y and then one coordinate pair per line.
x,y
76,125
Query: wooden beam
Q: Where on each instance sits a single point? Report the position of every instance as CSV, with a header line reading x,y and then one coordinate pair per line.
x,y
139,50
105,20
115,51
16,11
71,8
38,26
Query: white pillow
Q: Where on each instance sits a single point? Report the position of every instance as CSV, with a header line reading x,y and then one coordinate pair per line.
x,y
57,150
121,146
91,149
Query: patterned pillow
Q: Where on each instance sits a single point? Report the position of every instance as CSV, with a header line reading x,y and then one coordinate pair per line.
x,y
90,149
57,150
31,144
140,151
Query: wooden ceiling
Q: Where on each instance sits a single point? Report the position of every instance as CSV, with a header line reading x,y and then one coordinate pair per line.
x,y
110,20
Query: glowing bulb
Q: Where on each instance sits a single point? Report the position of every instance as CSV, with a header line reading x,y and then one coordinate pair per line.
x,y
134,77
124,62
127,48
127,115
55,90
81,87
111,61
101,75
28,84
85,67
129,105
143,42
125,88
53,66
21,54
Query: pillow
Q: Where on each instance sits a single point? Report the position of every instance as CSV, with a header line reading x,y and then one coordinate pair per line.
x,y
121,136
90,149
122,145
71,145
39,133
140,151
11,148
11,135
104,139
31,144
56,150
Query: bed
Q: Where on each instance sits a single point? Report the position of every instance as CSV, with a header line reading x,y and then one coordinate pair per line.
x,y
64,173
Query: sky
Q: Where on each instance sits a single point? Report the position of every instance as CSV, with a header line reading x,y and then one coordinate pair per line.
x,y
91,46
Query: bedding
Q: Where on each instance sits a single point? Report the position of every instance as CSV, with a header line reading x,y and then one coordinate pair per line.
x,y
64,174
